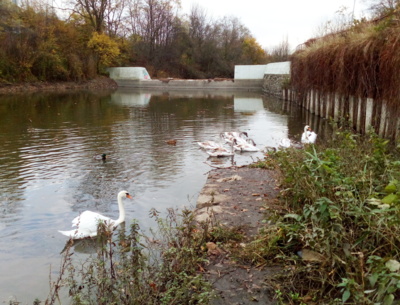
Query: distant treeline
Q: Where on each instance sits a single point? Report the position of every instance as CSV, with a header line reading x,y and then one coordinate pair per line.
x,y
39,42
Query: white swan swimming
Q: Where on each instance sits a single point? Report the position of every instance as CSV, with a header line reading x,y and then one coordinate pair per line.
x,y
308,136
221,151
229,136
209,145
87,222
247,145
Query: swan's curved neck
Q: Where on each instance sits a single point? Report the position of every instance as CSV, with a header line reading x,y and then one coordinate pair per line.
x,y
121,208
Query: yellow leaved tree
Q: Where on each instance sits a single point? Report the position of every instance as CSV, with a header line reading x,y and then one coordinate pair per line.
x,y
252,52
105,49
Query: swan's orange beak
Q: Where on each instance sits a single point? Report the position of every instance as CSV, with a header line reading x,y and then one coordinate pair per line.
x,y
129,196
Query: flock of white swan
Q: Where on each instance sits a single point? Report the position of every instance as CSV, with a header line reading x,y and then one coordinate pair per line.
x,y
87,222
240,141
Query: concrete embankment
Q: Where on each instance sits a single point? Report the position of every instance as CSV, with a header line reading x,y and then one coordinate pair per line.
x,y
190,84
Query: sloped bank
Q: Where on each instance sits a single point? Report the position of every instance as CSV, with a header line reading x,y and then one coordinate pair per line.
x,y
97,83
237,197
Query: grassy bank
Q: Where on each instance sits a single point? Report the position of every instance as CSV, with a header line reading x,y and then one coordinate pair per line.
x,y
337,235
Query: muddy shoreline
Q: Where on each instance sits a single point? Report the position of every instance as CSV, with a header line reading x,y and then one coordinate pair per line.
x,y
97,83
238,196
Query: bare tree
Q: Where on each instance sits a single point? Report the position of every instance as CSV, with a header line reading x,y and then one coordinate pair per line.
x,y
153,21
281,52
94,11
103,15
198,25
116,18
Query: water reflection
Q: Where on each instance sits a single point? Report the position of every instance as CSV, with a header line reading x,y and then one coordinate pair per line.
x,y
248,105
129,98
48,174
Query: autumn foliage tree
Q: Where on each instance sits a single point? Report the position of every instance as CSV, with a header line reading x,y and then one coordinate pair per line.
x,y
37,44
105,48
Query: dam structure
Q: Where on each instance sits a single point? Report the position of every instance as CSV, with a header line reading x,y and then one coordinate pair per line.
x,y
246,78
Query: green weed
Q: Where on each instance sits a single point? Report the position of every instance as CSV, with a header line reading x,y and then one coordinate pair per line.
x,y
137,269
341,202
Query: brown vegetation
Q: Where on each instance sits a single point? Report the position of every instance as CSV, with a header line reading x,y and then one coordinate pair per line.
x,y
362,62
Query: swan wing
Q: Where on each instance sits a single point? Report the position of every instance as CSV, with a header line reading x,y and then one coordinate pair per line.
x,y
308,137
285,143
250,148
219,153
312,137
203,145
209,145
86,223
304,137
84,217
79,233
241,141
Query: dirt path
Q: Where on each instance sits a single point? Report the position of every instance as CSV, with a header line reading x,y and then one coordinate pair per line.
x,y
237,197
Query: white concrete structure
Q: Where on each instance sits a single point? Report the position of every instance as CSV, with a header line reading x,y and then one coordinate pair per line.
x,y
258,71
249,71
131,73
280,68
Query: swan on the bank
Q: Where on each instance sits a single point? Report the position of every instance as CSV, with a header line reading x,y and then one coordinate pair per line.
x,y
286,143
308,136
86,223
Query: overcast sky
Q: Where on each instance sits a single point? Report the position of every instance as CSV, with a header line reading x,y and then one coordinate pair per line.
x,y
272,21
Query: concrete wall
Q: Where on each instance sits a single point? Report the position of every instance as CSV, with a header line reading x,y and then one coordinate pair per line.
x,y
278,68
189,84
133,73
276,79
249,72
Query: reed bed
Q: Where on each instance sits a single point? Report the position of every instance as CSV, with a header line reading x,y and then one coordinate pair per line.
x,y
362,62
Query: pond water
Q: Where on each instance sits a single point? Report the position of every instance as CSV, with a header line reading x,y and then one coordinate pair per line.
x,y
48,174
